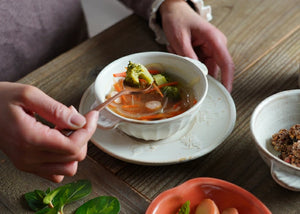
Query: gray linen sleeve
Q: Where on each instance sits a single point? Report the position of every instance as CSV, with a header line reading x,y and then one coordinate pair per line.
x,y
140,7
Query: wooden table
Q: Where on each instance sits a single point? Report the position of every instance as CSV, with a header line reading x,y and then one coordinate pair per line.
x,y
263,39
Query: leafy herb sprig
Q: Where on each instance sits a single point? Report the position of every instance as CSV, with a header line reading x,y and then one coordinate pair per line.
x,y
53,202
185,208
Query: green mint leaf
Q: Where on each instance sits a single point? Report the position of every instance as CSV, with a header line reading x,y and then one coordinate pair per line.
x,y
68,193
50,196
100,205
35,199
48,210
48,190
50,202
185,208
53,202
77,190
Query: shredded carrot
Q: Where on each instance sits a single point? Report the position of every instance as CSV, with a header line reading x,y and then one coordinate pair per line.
x,y
153,117
195,101
163,85
132,112
138,98
176,105
122,74
130,106
153,72
168,84
143,83
160,115
112,106
157,89
175,113
126,99
119,85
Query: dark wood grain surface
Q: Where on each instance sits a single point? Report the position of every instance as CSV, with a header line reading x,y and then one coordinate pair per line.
x,y
263,39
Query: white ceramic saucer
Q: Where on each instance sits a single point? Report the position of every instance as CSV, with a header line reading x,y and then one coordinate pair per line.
x,y
210,128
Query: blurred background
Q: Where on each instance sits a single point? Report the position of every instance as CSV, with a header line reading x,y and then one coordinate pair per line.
x,y
101,14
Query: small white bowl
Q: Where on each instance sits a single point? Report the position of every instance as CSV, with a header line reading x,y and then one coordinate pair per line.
x,y
279,111
299,78
191,71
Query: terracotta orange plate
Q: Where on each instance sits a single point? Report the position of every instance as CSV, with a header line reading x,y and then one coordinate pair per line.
x,y
223,193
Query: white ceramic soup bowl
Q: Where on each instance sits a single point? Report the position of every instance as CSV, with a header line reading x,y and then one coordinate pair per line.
x,y
191,71
279,111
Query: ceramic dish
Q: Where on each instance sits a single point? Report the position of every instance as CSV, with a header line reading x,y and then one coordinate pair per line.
x,y
199,138
191,72
223,193
299,78
279,111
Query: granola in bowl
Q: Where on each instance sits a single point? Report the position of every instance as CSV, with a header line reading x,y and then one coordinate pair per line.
x,y
287,142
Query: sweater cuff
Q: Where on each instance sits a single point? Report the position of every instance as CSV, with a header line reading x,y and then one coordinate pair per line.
x,y
154,20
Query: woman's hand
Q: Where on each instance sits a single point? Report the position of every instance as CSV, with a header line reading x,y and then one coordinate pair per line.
x,y
34,147
190,35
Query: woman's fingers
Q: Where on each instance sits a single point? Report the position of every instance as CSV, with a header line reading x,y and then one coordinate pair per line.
x,y
35,147
47,145
222,57
186,31
85,133
66,169
34,157
43,138
36,101
55,172
53,178
212,67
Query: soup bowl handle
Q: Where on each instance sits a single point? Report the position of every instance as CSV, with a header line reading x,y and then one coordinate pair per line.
x,y
107,120
199,64
284,177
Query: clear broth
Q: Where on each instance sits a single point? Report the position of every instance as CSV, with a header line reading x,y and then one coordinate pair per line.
x,y
135,106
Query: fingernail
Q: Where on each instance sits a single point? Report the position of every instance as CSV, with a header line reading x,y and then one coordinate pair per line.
x,y
73,108
78,120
